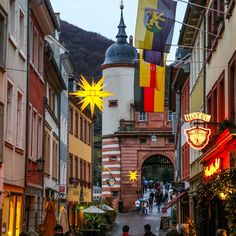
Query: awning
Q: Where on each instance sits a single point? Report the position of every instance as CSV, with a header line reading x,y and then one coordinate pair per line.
x,y
174,200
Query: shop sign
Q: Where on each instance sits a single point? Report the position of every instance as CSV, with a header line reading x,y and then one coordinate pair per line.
x,y
62,189
212,168
197,137
197,116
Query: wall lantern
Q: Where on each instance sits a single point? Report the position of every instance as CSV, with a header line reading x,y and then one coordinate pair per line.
x,y
40,163
111,181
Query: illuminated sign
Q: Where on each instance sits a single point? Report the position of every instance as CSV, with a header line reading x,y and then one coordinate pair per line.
x,y
197,137
92,94
197,116
212,168
133,175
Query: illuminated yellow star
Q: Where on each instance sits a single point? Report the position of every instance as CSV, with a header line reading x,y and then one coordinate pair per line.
x,y
92,94
133,175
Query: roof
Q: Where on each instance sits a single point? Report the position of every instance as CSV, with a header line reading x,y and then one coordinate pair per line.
x,y
121,51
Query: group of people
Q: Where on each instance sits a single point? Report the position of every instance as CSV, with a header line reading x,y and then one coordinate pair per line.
x,y
147,230
158,197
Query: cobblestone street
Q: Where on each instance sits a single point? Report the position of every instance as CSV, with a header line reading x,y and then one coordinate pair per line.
x,y
136,221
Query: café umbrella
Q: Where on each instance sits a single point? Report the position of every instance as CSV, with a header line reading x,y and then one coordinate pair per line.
x,y
93,210
105,207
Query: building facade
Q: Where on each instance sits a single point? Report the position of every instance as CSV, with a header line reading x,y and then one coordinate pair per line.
x,y
80,126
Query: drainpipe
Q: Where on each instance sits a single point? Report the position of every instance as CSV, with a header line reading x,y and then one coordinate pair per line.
x,y
27,116
204,65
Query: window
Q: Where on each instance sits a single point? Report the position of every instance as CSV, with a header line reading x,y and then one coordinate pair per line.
x,y
34,136
84,171
113,158
35,48
81,170
9,119
2,39
22,31
85,131
55,156
31,40
81,128
143,141
185,98
76,167
70,120
115,194
170,116
89,134
142,116
12,17
41,52
232,88
76,124
71,165
89,173
47,149
40,136
1,133
185,161
19,120
113,103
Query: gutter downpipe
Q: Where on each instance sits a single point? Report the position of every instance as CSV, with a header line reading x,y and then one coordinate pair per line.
x,y
204,66
27,116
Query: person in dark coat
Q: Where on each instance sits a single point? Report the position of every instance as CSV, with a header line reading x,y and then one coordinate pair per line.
x,y
158,199
120,205
147,230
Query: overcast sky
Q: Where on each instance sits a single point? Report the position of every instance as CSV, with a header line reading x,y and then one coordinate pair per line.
x,y
102,16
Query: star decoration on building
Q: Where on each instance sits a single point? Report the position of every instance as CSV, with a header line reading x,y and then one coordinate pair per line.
x,y
92,94
133,175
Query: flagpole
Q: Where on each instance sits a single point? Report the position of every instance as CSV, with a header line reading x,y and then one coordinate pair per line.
x,y
207,8
191,26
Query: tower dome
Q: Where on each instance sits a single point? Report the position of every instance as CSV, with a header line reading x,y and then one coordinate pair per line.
x,y
121,51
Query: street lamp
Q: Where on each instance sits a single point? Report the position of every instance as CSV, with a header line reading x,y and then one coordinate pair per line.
x,y
110,181
40,164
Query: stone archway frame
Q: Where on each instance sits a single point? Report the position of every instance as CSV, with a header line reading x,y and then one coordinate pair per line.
x,y
142,157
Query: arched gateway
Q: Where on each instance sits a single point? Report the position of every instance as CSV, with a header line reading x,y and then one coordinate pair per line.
x,y
129,138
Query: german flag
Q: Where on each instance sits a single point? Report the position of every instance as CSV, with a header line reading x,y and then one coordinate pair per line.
x,y
148,99
151,75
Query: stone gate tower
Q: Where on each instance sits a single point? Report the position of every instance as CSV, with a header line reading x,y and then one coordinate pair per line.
x,y
128,137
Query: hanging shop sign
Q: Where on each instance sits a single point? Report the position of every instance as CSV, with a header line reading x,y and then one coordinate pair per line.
x,y
212,168
133,175
197,137
197,116
91,94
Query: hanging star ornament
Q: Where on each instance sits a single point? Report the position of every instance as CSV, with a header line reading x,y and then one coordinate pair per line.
x,y
92,94
133,175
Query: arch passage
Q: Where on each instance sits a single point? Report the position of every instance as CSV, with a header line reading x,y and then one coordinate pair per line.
x,y
158,168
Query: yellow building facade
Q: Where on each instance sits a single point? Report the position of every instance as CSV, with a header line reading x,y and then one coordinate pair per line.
x,y
80,160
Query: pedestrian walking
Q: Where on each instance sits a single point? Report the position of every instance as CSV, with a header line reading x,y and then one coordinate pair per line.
x,y
158,199
125,230
137,205
221,232
150,204
172,232
120,205
147,230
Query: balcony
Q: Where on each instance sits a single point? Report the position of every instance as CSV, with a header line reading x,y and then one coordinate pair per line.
x,y
126,125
